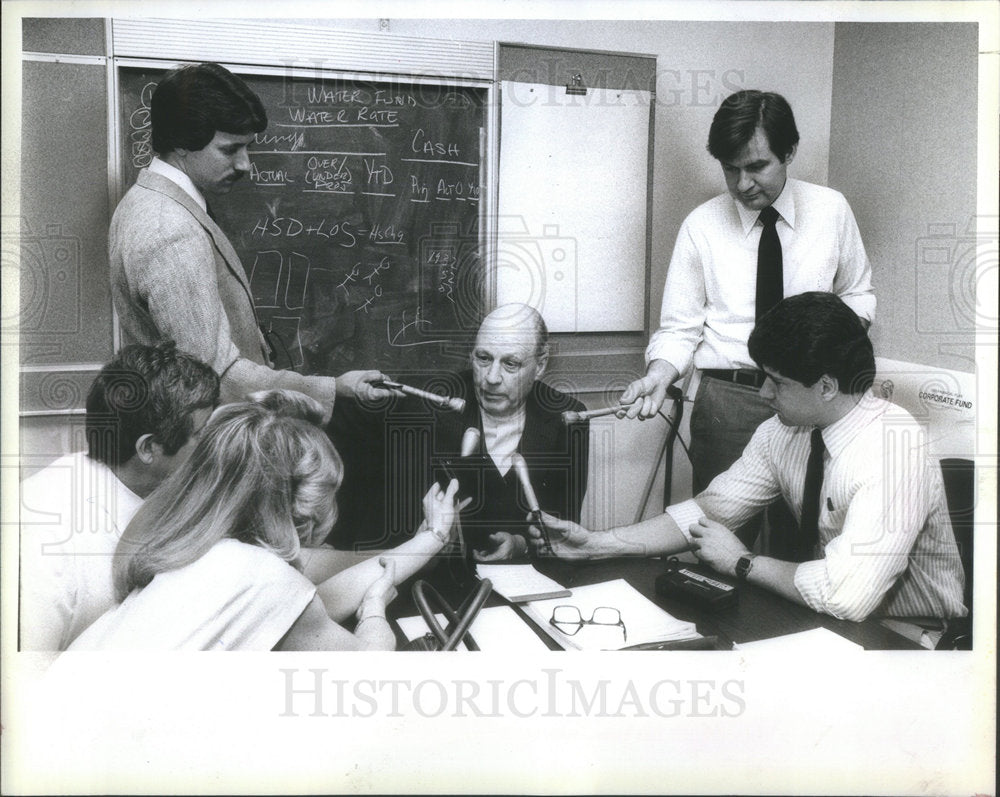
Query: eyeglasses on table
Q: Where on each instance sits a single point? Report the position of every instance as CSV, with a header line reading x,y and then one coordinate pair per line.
x,y
569,620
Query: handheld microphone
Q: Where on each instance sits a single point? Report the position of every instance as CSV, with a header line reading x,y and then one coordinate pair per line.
x,y
521,469
452,403
570,417
446,466
470,441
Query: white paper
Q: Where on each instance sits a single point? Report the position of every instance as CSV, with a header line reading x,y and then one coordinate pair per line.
x,y
813,640
644,620
517,582
496,630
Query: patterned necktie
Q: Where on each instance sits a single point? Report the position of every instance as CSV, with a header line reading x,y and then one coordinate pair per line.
x,y
809,525
770,287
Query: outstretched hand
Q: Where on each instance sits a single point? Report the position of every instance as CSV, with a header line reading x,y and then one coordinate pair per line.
x,y
646,395
441,509
506,546
567,540
364,386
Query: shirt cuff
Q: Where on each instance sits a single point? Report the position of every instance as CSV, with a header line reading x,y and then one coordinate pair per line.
x,y
685,514
661,347
863,306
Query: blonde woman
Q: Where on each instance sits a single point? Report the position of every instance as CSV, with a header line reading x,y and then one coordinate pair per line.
x,y
212,560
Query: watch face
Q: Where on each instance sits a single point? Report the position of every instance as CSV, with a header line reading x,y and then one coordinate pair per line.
x,y
743,566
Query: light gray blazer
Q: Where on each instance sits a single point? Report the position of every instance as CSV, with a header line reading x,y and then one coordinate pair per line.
x,y
174,274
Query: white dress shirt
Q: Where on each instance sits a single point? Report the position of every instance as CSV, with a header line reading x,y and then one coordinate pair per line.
x,y
884,530
501,438
709,299
73,514
175,175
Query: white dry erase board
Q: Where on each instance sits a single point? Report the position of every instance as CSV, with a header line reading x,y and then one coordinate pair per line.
x,y
572,208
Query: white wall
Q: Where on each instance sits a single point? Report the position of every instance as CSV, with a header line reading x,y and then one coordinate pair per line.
x,y
903,150
699,64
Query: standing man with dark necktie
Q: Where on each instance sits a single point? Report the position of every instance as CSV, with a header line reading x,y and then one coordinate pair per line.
x,y
735,257
174,273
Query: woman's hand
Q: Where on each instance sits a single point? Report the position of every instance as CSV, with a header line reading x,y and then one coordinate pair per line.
x,y
380,592
440,509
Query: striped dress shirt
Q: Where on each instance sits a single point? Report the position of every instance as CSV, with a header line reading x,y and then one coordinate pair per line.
x,y
887,546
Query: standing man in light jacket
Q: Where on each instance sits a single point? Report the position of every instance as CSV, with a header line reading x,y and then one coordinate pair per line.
x,y
174,274
735,256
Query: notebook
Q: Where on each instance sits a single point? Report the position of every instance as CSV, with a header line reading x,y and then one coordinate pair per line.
x,y
520,583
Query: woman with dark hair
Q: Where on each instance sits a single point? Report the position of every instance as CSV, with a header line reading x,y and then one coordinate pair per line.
x,y
212,559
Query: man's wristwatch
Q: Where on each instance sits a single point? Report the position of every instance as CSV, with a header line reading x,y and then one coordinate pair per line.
x,y
743,566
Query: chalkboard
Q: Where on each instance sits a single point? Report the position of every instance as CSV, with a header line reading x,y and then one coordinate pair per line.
x,y
359,223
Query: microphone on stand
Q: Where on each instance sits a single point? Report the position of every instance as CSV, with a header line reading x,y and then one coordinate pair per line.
x,y
521,470
458,554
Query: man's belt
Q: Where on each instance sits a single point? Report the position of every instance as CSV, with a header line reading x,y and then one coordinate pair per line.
x,y
747,377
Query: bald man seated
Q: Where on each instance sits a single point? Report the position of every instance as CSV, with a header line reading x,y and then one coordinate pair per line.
x,y
392,454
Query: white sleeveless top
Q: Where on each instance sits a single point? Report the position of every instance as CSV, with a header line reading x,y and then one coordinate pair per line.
x,y
235,597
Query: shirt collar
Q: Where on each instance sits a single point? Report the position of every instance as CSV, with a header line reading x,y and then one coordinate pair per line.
x,y
108,476
178,177
514,421
784,204
838,434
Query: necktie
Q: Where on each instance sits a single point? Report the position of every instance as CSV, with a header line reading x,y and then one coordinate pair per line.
x,y
809,525
211,215
770,288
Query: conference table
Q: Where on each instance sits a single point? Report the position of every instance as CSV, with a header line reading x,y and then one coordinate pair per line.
x,y
758,613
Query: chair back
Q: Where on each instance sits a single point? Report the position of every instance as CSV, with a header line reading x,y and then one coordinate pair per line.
x,y
960,491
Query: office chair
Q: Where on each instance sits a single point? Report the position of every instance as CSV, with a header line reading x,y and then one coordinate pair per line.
x,y
960,491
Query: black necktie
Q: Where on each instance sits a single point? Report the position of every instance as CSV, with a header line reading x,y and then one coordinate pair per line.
x,y
770,288
809,525
211,215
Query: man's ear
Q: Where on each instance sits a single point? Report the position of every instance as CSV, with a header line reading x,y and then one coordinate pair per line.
x,y
147,449
829,387
543,363
791,154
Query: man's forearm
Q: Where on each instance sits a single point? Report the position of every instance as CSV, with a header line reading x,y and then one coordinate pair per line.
x,y
662,371
775,575
656,536
245,376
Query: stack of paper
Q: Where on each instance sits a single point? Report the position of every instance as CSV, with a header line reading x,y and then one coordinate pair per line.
x,y
644,621
520,583
816,640
496,630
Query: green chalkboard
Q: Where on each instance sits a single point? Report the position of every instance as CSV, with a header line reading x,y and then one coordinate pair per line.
x,y
359,224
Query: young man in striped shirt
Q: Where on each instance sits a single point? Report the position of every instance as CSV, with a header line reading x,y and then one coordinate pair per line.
x,y
883,543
